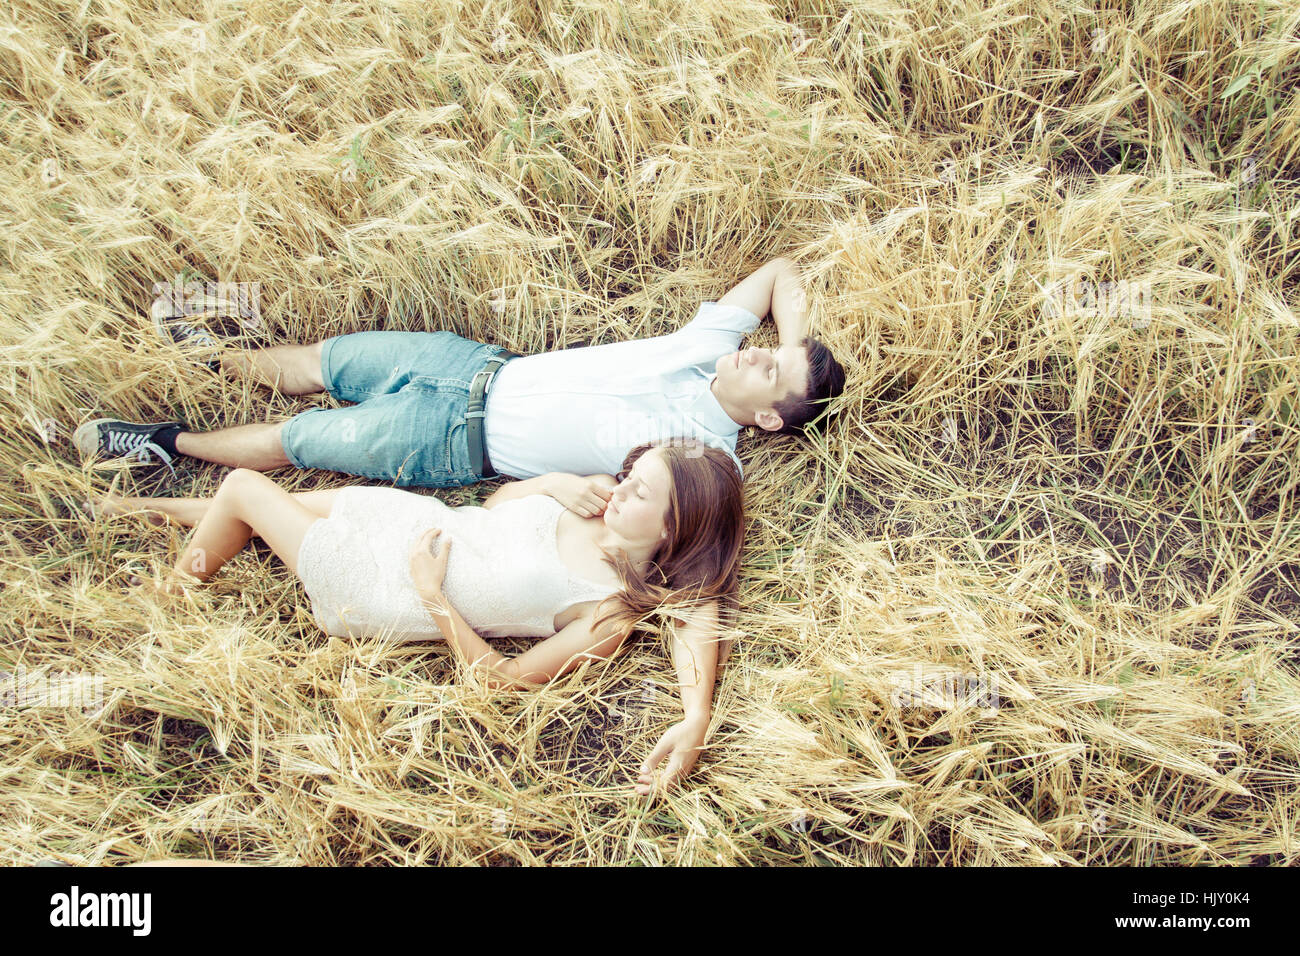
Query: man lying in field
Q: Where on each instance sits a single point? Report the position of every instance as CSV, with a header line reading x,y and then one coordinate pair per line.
x,y
436,410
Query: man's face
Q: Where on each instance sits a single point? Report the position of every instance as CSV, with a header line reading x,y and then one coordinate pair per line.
x,y
755,379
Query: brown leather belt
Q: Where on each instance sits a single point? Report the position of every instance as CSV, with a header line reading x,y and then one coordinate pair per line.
x,y
475,434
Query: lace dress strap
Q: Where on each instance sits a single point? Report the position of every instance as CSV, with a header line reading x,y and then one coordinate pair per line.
x,y
577,589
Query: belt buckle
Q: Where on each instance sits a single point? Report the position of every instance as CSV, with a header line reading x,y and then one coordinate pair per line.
x,y
490,370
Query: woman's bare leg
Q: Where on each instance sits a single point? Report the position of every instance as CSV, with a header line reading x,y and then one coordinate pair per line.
x,y
190,511
184,511
247,503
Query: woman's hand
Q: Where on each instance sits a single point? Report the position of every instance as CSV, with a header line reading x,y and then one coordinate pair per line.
x,y
583,496
429,561
681,744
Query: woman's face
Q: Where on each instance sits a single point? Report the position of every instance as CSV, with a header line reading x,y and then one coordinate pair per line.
x,y
639,503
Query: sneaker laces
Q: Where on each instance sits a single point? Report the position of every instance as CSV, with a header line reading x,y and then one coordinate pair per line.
x,y
138,445
195,334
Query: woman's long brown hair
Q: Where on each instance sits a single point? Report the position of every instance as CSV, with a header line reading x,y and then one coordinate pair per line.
x,y
699,560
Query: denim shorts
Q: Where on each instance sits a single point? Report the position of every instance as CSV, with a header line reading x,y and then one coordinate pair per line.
x,y
408,426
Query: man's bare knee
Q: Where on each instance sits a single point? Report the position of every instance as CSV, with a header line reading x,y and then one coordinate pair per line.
x,y
275,447
308,367
290,369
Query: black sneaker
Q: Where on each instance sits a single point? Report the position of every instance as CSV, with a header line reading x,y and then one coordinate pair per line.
x,y
117,439
190,335
200,323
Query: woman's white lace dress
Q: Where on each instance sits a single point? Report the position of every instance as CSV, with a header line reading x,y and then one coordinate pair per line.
x,y
504,571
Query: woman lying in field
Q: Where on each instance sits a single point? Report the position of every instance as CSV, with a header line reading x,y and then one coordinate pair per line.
x,y
385,562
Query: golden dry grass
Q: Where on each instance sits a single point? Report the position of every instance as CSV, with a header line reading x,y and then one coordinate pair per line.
x,y
1092,511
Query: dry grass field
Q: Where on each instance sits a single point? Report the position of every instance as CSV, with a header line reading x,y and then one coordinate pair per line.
x,y
1031,598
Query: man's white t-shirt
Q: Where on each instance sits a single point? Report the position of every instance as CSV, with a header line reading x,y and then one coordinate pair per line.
x,y
582,410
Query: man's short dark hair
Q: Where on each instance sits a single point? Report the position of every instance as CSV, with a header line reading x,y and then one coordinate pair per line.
x,y
825,382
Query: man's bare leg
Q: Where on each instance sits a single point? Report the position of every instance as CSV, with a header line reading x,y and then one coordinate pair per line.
x,y
293,370
255,446
289,369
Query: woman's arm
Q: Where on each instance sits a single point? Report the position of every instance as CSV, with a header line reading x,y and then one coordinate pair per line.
x,y
537,666
583,496
542,662
518,489
696,659
463,639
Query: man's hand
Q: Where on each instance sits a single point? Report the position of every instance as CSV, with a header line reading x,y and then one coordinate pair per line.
x,y
583,496
681,744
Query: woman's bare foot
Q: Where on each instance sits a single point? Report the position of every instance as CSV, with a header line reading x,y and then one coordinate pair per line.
x,y
168,588
109,505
